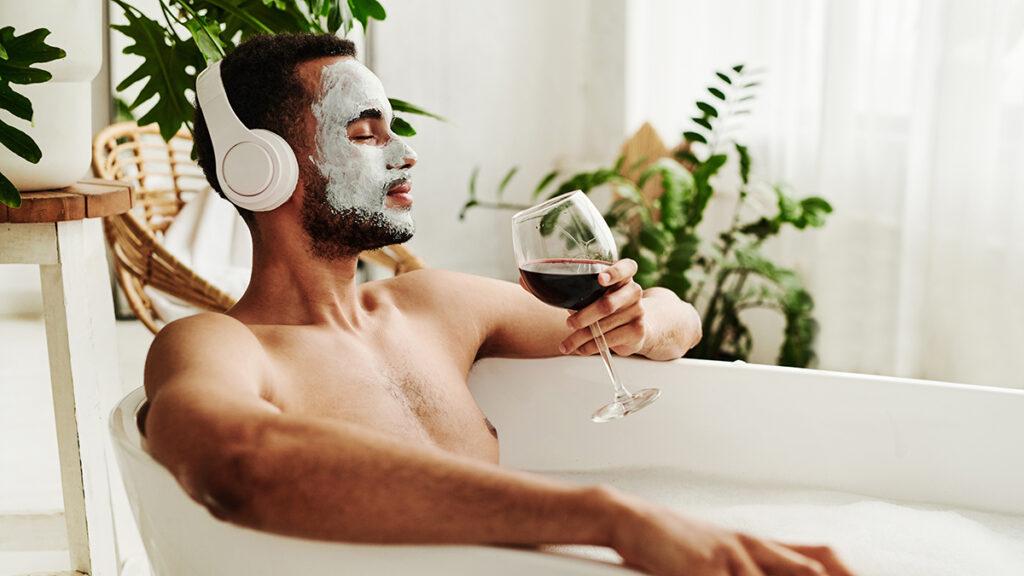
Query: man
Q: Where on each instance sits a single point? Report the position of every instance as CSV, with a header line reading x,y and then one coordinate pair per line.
x,y
324,409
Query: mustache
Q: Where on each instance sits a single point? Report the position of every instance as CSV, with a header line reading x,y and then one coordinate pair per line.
x,y
404,177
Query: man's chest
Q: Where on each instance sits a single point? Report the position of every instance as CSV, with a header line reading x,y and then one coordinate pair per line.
x,y
407,385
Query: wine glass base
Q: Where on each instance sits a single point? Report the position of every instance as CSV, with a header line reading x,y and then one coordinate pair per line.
x,y
617,409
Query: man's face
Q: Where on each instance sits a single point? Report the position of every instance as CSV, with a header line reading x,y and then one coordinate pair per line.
x,y
357,189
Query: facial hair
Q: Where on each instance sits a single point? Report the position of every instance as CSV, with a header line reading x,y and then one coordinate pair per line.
x,y
344,233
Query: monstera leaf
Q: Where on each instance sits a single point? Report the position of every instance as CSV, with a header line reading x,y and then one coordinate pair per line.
x,y
163,71
18,54
214,28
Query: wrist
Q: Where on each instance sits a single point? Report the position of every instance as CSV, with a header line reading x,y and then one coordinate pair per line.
x,y
609,508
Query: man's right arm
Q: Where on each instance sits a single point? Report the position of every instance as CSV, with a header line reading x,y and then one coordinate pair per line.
x,y
249,463
232,450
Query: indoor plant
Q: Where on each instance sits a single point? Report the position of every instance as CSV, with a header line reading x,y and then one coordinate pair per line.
x,y
722,271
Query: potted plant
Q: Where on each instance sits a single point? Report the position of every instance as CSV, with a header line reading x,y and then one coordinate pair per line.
x,y
658,211
45,92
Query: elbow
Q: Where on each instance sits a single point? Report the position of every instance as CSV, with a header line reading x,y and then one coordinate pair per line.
x,y
230,480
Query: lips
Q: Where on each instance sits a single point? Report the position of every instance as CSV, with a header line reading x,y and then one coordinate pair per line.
x,y
401,186
399,193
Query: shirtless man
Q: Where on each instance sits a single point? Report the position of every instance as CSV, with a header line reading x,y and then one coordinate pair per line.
x,y
322,408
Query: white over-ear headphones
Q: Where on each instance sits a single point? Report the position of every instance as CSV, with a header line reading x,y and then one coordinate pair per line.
x,y
256,169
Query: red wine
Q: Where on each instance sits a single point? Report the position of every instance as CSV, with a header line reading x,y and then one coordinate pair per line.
x,y
564,282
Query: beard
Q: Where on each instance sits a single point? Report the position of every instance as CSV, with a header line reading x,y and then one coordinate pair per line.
x,y
344,233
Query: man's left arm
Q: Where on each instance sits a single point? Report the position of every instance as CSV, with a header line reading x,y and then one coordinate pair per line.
x,y
653,322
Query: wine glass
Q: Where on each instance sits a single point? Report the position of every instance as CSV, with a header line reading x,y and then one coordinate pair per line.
x,y
561,246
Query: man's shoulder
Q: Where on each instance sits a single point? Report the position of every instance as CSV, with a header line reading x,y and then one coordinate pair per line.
x,y
433,285
204,328
205,339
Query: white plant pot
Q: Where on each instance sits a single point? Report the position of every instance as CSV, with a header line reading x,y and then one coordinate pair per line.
x,y
62,107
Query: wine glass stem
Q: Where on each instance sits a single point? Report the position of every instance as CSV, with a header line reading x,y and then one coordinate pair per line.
x,y
621,393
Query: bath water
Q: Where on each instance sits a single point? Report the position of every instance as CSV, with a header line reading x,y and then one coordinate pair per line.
x,y
874,537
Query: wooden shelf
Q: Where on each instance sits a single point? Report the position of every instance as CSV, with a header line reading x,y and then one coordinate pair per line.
x,y
89,198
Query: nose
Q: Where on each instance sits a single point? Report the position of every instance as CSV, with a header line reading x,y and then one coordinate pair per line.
x,y
407,162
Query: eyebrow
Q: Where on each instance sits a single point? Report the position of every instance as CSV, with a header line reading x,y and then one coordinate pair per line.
x,y
367,114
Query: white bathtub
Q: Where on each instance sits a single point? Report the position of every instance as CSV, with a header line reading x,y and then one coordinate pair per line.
x,y
888,438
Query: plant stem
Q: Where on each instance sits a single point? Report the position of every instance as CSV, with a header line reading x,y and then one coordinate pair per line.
x,y
502,205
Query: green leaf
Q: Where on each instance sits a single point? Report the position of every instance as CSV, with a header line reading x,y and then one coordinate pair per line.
x,y
20,143
365,10
544,182
702,123
724,77
677,190
15,103
253,17
737,68
761,228
716,93
676,281
550,218
504,181
695,137
653,238
401,127
587,181
22,52
205,33
702,185
248,14
3,52
9,195
122,112
465,208
707,109
162,71
644,263
472,182
744,154
403,106
335,18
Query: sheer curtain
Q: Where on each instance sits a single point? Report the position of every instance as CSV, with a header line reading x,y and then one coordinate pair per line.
x,y
908,115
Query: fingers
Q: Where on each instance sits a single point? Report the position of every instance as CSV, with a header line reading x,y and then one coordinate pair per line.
x,y
742,564
524,285
833,565
584,335
613,301
625,340
624,269
778,559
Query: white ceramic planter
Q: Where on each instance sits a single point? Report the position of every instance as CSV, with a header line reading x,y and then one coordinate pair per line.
x,y
62,125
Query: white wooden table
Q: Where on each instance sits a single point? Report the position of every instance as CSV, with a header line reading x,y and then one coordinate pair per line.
x,y
61,231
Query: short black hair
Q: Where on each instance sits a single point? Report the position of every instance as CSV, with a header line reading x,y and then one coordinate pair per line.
x,y
262,83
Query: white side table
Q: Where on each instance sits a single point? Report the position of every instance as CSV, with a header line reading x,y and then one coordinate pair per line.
x,y
61,231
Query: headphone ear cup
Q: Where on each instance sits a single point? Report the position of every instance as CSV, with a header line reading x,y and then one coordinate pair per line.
x,y
286,172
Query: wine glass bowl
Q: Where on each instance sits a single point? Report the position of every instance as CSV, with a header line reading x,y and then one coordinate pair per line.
x,y
561,247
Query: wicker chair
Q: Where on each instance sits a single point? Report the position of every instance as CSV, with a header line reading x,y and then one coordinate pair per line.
x,y
164,177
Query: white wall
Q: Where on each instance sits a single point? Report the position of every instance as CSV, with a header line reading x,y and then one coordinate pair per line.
x,y
532,83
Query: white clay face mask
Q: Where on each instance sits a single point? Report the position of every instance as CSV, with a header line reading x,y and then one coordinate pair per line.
x,y
358,175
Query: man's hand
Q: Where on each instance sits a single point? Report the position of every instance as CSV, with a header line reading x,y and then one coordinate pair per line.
x,y
662,542
621,315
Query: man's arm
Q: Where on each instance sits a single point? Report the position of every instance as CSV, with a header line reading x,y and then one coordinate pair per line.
x,y
249,463
654,323
211,424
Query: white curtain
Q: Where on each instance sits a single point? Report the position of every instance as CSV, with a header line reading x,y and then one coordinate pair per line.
x,y
908,115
